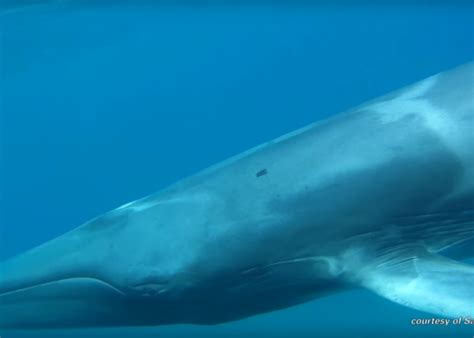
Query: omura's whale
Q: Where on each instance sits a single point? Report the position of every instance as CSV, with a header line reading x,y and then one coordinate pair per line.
x,y
380,197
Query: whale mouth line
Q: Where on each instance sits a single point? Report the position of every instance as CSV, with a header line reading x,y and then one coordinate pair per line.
x,y
65,303
78,280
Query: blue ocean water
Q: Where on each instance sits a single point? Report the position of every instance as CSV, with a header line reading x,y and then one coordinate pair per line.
x,y
106,102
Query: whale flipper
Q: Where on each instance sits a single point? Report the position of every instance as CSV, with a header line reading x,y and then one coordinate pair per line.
x,y
426,282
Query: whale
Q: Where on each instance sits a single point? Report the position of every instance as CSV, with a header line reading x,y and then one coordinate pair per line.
x,y
380,197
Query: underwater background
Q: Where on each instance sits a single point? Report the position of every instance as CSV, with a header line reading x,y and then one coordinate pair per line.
x,y
104,102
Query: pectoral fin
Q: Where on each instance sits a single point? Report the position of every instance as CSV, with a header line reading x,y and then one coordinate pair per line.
x,y
425,282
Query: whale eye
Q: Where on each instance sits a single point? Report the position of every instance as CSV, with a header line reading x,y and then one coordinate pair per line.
x,y
261,172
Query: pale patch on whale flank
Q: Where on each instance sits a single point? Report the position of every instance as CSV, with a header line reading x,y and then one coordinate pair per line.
x,y
409,102
434,118
418,89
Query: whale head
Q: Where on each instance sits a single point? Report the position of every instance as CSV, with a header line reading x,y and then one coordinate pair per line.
x,y
131,266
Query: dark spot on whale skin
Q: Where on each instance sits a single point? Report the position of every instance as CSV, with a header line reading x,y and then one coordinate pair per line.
x,y
261,173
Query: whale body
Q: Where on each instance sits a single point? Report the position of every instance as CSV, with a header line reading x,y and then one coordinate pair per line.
x,y
380,197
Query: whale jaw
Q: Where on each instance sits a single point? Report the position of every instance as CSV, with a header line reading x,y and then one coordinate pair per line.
x,y
74,302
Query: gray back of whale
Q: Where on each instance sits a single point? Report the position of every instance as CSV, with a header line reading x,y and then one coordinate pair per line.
x,y
370,198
